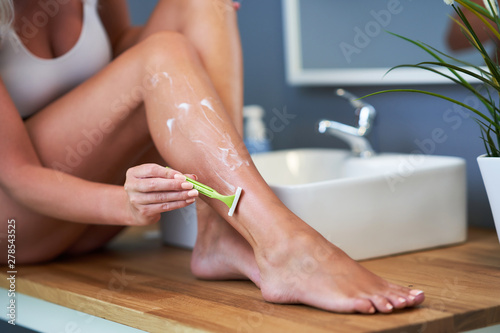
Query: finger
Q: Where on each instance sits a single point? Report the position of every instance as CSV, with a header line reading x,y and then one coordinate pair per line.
x,y
172,172
154,209
180,176
152,170
146,185
192,176
177,204
162,197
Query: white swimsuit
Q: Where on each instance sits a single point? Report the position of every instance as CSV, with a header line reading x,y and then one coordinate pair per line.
x,y
34,82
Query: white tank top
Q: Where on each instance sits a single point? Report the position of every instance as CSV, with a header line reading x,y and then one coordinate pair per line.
x,y
34,82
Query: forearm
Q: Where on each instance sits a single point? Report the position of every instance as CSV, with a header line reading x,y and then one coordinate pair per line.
x,y
65,197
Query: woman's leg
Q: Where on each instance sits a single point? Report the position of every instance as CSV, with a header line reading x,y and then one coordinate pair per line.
x,y
211,27
41,238
296,264
215,238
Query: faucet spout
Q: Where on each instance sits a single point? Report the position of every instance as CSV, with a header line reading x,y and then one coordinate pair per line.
x,y
354,136
359,145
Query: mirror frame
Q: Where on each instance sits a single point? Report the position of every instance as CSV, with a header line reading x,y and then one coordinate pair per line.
x,y
297,75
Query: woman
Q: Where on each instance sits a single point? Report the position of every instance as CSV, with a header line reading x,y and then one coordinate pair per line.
x,y
89,161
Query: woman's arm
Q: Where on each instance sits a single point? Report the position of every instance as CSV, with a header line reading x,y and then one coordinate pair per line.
x,y
66,197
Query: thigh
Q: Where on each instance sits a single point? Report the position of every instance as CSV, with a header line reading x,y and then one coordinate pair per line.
x,y
37,238
165,17
96,236
94,132
102,124
92,138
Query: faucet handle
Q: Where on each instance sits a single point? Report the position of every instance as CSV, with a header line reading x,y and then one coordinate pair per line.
x,y
355,102
365,112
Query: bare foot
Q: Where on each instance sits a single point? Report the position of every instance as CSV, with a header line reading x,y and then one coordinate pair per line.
x,y
300,266
306,268
221,253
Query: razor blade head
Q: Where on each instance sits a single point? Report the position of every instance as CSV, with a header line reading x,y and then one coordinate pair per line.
x,y
235,201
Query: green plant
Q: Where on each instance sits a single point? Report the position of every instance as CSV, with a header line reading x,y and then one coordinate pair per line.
x,y
453,69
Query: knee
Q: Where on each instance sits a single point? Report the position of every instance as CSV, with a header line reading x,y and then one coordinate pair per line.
x,y
167,46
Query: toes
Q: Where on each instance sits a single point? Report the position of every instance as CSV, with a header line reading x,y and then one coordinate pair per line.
x,y
382,304
413,296
364,306
398,301
417,296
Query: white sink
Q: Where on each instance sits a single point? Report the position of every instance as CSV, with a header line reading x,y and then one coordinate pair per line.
x,y
378,206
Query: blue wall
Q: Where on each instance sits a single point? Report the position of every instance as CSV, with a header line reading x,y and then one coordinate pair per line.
x,y
404,124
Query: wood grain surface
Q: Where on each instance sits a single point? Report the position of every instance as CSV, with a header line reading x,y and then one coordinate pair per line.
x,y
140,283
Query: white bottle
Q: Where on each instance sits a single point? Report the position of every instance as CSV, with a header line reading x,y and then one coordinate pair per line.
x,y
255,129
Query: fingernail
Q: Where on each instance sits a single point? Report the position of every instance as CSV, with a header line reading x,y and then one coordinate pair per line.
x,y
187,186
416,292
191,200
389,306
179,176
193,193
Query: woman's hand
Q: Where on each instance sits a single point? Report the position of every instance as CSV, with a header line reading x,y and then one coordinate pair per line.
x,y
153,189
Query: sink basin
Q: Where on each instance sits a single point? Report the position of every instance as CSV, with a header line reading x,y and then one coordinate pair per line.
x,y
372,207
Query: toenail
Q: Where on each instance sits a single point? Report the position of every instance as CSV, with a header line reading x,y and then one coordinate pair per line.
x,y
389,306
371,310
402,300
416,292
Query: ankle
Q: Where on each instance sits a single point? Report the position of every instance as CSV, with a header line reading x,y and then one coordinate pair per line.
x,y
288,245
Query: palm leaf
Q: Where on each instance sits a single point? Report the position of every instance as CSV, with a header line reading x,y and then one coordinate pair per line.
x,y
427,49
480,13
478,113
489,122
477,8
489,105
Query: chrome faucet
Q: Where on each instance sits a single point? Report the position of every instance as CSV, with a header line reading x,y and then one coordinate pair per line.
x,y
354,136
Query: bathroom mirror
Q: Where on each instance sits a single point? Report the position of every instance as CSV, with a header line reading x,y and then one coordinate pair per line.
x,y
339,42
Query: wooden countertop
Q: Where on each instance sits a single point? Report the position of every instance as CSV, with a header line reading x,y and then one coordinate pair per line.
x,y
140,283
